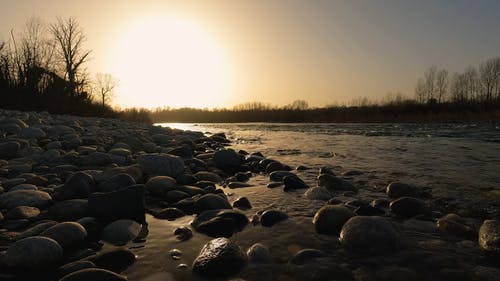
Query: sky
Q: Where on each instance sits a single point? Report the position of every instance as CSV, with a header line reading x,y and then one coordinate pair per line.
x,y
220,53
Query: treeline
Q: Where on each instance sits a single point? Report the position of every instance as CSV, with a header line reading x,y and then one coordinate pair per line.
x,y
43,68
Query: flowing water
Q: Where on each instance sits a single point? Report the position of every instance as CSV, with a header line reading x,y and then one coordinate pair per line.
x,y
459,163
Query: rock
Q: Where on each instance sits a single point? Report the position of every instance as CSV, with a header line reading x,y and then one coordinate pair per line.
x,y
238,184
484,273
117,182
453,228
367,210
36,229
31,133
69,210
160,185
407,207
272,217
397,273
115,260
66,233
274,166
315,265
97,159
259,254
318,193
274,184
79,185
220,223
330,219
293,182
305,255
24,186
121,232
242,203
175,196
219,258
369,235
34,253
74,266
161,164
127,203
93,274
333,183
380,203
278,176
183,233
351,173
210,202
9,150
22,212
31,198
217,227
208,176
227,158
187,179
169,214
489,236
326,170
398,189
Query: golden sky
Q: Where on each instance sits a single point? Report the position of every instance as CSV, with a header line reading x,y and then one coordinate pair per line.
x,y
221,53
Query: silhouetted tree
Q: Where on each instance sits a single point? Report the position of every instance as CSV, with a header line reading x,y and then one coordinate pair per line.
x,y
442,82
104,87
430,82
297,105
420,92
489,76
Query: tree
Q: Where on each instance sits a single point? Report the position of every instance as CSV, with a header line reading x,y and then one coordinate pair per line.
x,y
430,82
104,86
298,105
442,82
69,39
489,76
420,90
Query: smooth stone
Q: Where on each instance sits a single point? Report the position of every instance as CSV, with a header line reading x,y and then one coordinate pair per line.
x,y
397,273
294,182
161,164
183,233
238,184
176,195
12,225
380,203
36,229
351,173
453,228
333,183
31,198
34,253
121,232
75,266
330,219
220,257
259,254
367,210
484,273
187,179
210,202
9,150
242,203
31,133
489,236
77,186
274,166
117,182
66,233
208,176
160,185
115,260
305,256
370,235
97,159
318,193
326,170
126,203
398,189
10,183
272,217
274,184
217,227
407,207
23,186
278,176
220,223
227,158
315,265
69,210
191,190
22,212
169,214
93,274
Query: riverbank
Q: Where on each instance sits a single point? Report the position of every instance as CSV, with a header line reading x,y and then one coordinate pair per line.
x,y
102,198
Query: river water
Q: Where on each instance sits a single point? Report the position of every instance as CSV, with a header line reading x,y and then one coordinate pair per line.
x,y
459,163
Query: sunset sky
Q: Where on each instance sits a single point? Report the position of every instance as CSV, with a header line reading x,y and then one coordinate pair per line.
x,y
222,53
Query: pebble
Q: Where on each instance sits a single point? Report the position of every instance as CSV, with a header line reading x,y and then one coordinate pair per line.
x,y
219,258
370,235
34,253
272,217
330,219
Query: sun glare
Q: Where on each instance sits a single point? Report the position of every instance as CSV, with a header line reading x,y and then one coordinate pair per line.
x,y
170,62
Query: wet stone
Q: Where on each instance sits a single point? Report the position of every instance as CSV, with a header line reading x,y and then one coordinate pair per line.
x,y
183,233
242,203
219,258
489,236
398,189
330,219
272,217
407,207
259,254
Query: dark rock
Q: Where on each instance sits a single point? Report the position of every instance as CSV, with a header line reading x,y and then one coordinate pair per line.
x,y
217,227
160,185
66,233
278,176
351,173
489,236
22,212
191,190
121,232
36,229
453,228
127,203
97,159
242,203
333,183
186,205
318,193
24,186
9,150
237,184
330,219
220,223
219,258
398,189
12,225
74,266
293,182
227,158
183,233
186,179
326,170
169,214
31,198
93,274
117,182
204,184
208,176
272,217
259,254
274,184
175,195
210,202
397,274
484,273
115,260
407,207
69,210
306,255
314,265
161,164
366,210
79,185
380,203
274,166
34,253
370,235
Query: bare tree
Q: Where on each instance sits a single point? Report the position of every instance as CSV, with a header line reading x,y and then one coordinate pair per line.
x,y
420,92
104,87
430,82
298,105
471,80
69,39
489,76
442,82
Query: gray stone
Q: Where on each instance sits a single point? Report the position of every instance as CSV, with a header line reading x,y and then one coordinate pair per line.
x,y
161,164
22,212
259,254
117,182
31,133
9,150
36,229
126,203
370,235
97,159
398,189
160,185
333,183
208,176
407,207
219,258
79,185
66,233
93,274
330,219
69,210
121,232
34,253
24,186
32,198
227,158
272,217
211,202
318,193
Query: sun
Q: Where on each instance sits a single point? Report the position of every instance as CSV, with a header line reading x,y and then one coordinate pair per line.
x,y
170,61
